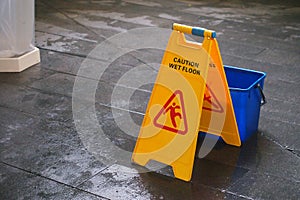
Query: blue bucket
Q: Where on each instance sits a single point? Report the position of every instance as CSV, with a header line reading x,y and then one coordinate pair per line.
x,y
246,90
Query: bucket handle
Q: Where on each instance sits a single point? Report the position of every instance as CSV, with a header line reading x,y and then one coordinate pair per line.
x,y
263,97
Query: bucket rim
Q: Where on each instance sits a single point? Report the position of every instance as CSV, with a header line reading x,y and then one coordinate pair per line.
x,y
263,76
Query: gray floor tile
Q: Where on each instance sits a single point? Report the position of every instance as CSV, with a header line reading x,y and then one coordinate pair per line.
x,y
19,184
49,148
282,132
262,156
28,76
60,140
264,186
118,182
36,102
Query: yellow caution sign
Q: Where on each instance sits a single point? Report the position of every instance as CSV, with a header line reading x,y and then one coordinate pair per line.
x,y
170,127
184,100
218,116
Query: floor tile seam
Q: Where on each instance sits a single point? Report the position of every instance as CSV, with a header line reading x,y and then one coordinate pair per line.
x,y
45,92
281,120
239,195
35,116
48,92
63,52
286,48
255,171
267,36
265,173
147,64
276,120
12,108
60,72
118,108
67,96
238,182
294,103
139,25
256,60
225,191
283,100
96,174
29,86
67,36
253,59
279,177
83,99
37,89
88,78
282,147
86,56
133,88
95,79
229,165
296,81
36,174
80,55
260,52
247,44
121,109
13,84
70,18
26,83
263,63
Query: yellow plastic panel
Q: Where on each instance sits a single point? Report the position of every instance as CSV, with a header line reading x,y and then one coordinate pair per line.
x,y
218,115
170,127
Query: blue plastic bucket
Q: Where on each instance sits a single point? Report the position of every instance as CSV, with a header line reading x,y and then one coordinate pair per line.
x,y
246,90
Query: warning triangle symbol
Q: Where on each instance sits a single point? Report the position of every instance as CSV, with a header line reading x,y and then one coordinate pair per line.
x,y
172,115
211,102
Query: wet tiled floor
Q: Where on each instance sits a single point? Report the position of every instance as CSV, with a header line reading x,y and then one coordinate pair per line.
x,y
67,133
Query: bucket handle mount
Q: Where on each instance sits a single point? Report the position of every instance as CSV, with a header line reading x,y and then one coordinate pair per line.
x,y
263,97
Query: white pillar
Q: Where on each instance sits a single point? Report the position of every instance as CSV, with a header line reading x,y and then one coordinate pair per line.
x,y
17,51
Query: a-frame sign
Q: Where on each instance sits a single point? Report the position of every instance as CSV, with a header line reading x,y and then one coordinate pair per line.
x,y
186,98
